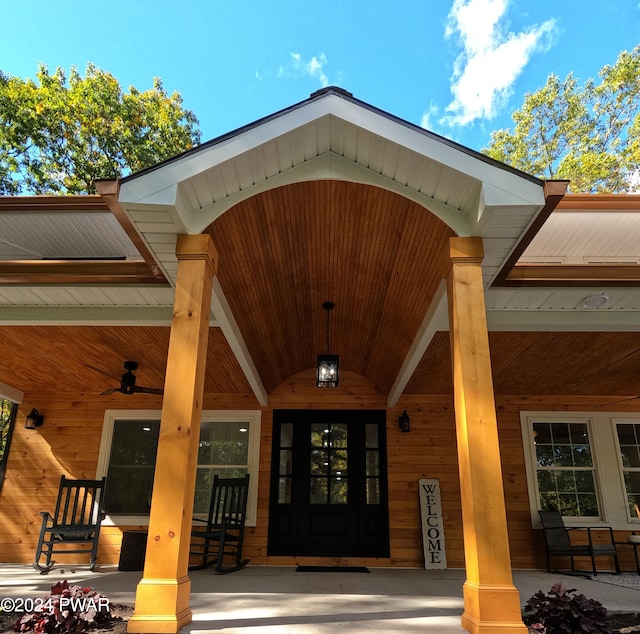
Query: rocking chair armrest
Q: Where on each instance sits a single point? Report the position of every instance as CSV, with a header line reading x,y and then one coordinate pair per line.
x,y
46,516
200,519
601,528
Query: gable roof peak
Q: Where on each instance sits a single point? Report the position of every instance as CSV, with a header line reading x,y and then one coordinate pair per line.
x,y
331,90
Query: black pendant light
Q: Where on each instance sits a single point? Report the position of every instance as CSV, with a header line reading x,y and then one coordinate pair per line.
x,y
327,368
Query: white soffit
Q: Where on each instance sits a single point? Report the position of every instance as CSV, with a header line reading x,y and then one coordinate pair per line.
x,y
333,137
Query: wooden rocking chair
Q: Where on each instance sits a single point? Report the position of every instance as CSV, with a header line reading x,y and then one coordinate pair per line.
x,y
223,533
76,520
558,542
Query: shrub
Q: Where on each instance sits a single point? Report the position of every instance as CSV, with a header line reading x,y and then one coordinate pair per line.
x,y
561,611
66,609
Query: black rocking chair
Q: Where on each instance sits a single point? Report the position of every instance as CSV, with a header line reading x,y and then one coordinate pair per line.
x,y
223,533
558,542
76,520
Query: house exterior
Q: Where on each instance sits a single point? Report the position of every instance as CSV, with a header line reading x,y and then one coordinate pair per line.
x,y
499,311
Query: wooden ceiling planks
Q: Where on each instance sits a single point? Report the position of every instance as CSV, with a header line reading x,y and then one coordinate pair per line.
x,y
285,252
63,358
543,363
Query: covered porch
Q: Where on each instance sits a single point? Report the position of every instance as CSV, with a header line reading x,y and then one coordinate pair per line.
x,y
417,241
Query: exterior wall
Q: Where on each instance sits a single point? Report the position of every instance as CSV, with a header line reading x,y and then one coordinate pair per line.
x,y
69,440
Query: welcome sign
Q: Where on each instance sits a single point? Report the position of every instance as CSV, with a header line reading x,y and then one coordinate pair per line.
x,y
435,555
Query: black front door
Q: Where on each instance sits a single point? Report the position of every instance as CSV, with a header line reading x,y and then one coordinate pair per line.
x,y
329,484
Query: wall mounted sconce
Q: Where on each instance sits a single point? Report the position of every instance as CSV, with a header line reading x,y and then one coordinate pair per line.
x,y
404,422
327,369
34,420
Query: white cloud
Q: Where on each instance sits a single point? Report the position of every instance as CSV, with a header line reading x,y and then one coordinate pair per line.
x,y
429,116
491,60
312,68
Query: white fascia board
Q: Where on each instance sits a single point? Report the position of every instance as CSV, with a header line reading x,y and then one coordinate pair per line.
x,y
493,198
11,393
436,319
331,166
563,320
229,327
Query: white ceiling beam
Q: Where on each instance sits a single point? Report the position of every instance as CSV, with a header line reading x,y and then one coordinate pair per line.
x,y
229,327
436,319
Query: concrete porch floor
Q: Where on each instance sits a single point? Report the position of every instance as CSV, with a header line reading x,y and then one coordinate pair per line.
x,y
266,599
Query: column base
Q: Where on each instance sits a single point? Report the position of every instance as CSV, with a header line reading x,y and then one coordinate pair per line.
x,y
162,606
492,609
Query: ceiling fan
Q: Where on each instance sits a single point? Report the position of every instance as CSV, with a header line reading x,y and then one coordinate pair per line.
x,y
128,382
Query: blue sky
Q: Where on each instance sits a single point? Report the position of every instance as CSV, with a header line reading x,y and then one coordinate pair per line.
x,y
458,67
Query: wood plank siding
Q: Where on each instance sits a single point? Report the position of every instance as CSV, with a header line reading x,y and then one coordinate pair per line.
x,y
70,438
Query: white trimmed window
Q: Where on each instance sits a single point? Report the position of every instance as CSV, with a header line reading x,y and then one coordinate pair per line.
x,y
585,464
628,437
229,447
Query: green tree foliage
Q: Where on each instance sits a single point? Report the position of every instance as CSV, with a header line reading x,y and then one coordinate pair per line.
x,y
587,134
58,136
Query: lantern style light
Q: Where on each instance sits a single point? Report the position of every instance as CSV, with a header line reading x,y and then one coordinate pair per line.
x,y
327,374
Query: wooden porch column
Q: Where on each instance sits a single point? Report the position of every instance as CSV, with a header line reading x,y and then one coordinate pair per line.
x,y
492,603
162,597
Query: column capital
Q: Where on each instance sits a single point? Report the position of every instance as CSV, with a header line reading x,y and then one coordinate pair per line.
x,y
465,249
196,247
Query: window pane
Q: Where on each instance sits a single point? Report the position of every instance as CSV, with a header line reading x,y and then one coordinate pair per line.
x,y
284,491
578,432
588,505
585,482
373,463
319,462
566,481
546,481
285,461
582,456
286,435
632,481
569,504
318,493
129,490
339,462
560,433
371,432
630,456
131,467
224,444
339,491
634,505
562,455
373,491
544,455
135,442
626,434
542,433
319,435
339,436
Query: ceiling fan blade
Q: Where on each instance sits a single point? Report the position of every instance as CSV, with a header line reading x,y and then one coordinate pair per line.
x,y
622,400
111,391
148,390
